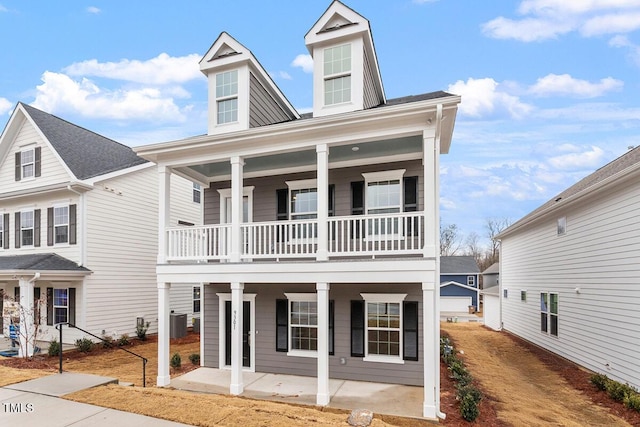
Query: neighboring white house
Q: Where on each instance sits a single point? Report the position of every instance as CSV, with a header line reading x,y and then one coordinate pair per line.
x,y
491,312
570,272
290,198
78,227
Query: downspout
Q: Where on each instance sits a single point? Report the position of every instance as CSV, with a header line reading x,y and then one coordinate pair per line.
x,y
35,277
436,147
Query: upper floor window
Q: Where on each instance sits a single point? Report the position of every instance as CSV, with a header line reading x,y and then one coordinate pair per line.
x,y
337,74
61,224
197,193
562,225
26,228
28,163
471,280
384,192
227,96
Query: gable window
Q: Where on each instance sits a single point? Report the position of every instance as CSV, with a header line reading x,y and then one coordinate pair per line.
x,y
197,193
27,163
549,313
337,74
227,96
471,280
562,225
26,228
196,299
61,224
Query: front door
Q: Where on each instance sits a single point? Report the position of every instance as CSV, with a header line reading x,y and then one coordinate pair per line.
x,y
246,333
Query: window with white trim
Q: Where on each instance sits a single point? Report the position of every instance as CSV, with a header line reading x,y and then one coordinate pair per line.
x,y
562,226
303,324
337,74
227,96
60,306
303,202
471,280
28,163
196,299
549,313
383,327
383,195
197,193
61,224
26,228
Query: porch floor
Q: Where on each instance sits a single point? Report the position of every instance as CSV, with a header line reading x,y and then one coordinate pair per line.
x,y
390,399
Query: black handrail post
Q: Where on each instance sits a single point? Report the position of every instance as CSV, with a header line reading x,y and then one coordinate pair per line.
x,y
59,326
144,372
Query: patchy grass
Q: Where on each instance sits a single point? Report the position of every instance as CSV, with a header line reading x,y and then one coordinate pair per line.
x,y
14,375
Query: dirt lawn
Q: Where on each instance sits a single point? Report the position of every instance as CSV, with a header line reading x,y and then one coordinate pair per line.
x,y
525,390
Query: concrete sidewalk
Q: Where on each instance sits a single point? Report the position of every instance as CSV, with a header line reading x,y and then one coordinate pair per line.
x,y
390,399
36,403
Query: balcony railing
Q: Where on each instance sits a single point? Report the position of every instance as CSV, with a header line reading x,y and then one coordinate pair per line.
x,y
348,236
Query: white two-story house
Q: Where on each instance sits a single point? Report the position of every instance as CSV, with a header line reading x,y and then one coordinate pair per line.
x,y
319,253
78,227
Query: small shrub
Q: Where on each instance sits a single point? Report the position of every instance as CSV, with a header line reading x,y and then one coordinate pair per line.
x,y
617,391
54,348
632,402
600,381
84,345
123,340
107,341
141,331
469,390
194,358
469,408
176,361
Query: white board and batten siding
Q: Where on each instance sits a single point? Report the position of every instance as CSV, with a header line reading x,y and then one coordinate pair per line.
x,y
594,269
122,249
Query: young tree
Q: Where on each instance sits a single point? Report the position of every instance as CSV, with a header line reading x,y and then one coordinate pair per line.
x,y
20,315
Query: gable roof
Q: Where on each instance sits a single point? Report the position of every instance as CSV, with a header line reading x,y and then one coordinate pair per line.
x,y
87,154
460,285
493,269
39,262
611,172
458,265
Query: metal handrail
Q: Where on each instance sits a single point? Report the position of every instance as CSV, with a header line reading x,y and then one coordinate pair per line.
x,y
58,326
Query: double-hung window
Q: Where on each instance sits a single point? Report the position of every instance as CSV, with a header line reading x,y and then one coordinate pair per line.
x,y
197,193
303,324
196,299
471,280
227,96
337,74
28,163
303,199
383,196
383,323
60,305
549,313
26,228
2,231
61,224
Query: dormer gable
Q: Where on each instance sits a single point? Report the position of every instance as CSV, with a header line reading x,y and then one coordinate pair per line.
x,y
242,95
346,76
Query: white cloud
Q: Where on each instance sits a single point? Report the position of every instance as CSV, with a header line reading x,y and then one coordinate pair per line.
x,y
484,97
284,75
61,93
161,70
5,106
545,19
624,42
564,84
304,61
590,159
94,10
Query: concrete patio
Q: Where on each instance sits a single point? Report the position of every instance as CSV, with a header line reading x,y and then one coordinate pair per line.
x,y
390,399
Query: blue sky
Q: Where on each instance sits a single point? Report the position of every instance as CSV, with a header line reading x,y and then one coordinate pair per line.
x,y
550,88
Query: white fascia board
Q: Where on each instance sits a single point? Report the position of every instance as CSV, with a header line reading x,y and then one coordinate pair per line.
x,y
29,192
92,181
58,275
452,283
402,119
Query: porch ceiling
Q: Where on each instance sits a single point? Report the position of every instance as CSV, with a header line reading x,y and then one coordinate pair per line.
x,y
357,152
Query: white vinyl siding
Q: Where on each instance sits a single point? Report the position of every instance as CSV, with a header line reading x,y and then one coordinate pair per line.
x,y
599,256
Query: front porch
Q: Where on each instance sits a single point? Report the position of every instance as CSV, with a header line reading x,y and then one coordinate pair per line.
x,y
389,399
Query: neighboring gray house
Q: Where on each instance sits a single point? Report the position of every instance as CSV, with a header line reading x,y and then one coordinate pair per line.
x,y
491,276
319,249
490,296
570,272
459,281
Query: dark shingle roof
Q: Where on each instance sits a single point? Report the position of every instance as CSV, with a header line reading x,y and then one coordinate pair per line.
x,y
612,168
42,262
458,265
86,153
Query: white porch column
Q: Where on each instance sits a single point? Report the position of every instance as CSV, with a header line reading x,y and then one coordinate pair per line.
x,y
431,349
323,396
237,386
237,164
322,152
431,203
164,210
163,334
27,328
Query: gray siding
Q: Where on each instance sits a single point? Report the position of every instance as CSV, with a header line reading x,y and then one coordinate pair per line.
x,y
263,110
269,360
264,195
369,92
598,324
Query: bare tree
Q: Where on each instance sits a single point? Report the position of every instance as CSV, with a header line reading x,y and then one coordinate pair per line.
x,y
472,246
449,240
495,226
19,316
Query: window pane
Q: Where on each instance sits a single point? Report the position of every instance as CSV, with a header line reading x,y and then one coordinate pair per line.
x,y
543,322
554,325
228,111
61,215
337,90
62,234
27,237
26,219
60,315
337,60
227,84
554,303
60,297
304,201
543,303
